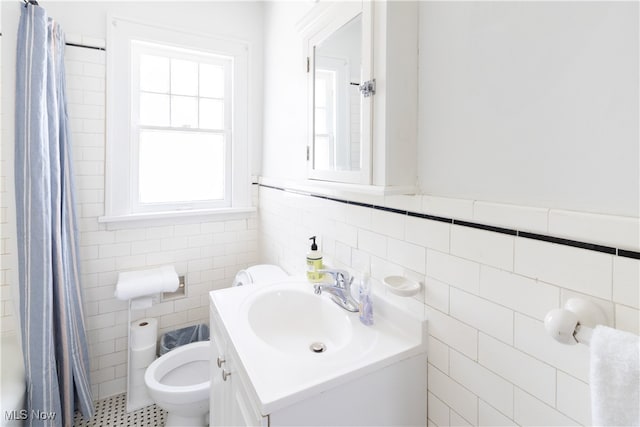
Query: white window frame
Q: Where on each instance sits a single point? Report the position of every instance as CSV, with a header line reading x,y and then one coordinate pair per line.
x,y
329,77
339,109
137,50
121,174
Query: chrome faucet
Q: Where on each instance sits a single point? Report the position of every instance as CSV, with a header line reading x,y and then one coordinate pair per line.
x,y
340,290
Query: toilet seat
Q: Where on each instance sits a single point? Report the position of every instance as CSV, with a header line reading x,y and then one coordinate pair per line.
x,y
186,361
173,380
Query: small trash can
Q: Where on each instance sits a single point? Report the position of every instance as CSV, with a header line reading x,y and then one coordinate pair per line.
x,y
182,336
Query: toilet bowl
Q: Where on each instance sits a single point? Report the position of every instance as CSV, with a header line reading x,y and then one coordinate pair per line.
x,y
175,380
178,382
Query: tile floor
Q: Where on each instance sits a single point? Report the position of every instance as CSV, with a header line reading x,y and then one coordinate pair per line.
x,y
112,412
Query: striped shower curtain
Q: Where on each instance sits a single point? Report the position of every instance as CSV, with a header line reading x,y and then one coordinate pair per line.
x,y
52,322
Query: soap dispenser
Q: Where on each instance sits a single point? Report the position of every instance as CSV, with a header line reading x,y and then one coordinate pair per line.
x,y
314,262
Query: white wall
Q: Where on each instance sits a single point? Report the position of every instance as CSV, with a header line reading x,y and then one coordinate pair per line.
x,y
491,361
523,107
285,86
466,271
528,103
6,302
208,251
532,103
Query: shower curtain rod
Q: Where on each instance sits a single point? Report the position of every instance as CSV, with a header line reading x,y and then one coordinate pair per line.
x,y
85,46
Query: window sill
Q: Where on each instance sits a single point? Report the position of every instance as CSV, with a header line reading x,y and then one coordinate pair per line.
x,y
217,214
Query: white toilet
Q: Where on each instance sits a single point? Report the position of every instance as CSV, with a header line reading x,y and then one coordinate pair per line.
x,y
175,380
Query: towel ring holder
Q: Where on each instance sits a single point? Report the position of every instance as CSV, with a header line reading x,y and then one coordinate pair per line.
x,y
575,322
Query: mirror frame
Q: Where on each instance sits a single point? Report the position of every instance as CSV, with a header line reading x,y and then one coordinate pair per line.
x,y
330,18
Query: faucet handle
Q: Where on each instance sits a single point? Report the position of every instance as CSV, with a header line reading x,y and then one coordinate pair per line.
x,y
347,284
338,275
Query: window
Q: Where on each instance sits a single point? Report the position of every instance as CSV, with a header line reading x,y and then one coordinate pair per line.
x,y
332,113
181,127
325,119
176,124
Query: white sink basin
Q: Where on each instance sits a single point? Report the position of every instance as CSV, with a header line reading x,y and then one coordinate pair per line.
x,y
273,326
291,321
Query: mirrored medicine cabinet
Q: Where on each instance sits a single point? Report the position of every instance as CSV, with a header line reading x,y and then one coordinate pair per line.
x,y
339,143
349,59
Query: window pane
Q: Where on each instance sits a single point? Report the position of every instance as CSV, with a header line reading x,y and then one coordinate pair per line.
x,y
211,81
154,73
154,109
211,114
184,111
184,77
181,166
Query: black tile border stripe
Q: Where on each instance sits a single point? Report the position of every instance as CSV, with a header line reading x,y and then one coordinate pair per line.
x,y
431,217
511,232
568,242
388,209
486,227
628,254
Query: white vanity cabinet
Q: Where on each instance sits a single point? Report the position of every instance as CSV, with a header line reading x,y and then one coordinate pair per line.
x,y
391,393
230,401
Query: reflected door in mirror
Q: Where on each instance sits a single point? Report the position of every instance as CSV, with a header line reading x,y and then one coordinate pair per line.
x,y
337,100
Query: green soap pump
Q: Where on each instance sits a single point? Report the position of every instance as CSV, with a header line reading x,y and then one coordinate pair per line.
x,y
314,262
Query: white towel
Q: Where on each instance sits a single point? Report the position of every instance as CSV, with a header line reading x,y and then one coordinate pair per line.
x,y
134,284
615,377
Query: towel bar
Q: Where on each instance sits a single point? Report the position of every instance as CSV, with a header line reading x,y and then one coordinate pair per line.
x,y
575,322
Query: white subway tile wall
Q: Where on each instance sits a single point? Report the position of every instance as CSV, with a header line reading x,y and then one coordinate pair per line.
x,y
621,232
491,362
7,226
207,252
511,216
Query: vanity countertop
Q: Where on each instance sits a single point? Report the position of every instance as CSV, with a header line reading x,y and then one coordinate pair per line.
x,y
283,369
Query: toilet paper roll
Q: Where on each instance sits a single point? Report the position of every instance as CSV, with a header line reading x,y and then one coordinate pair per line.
x,y
141,358
143,333
134,284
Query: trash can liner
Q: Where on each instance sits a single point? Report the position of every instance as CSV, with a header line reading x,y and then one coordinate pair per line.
x,y
182,336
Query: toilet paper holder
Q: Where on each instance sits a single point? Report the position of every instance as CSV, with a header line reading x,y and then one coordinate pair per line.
x,y
181,292
574,322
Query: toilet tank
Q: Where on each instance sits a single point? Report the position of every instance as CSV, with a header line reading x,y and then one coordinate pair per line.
x,y
12,382
261,273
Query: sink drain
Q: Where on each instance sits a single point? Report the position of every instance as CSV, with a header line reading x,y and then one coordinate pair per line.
x,y
318,347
